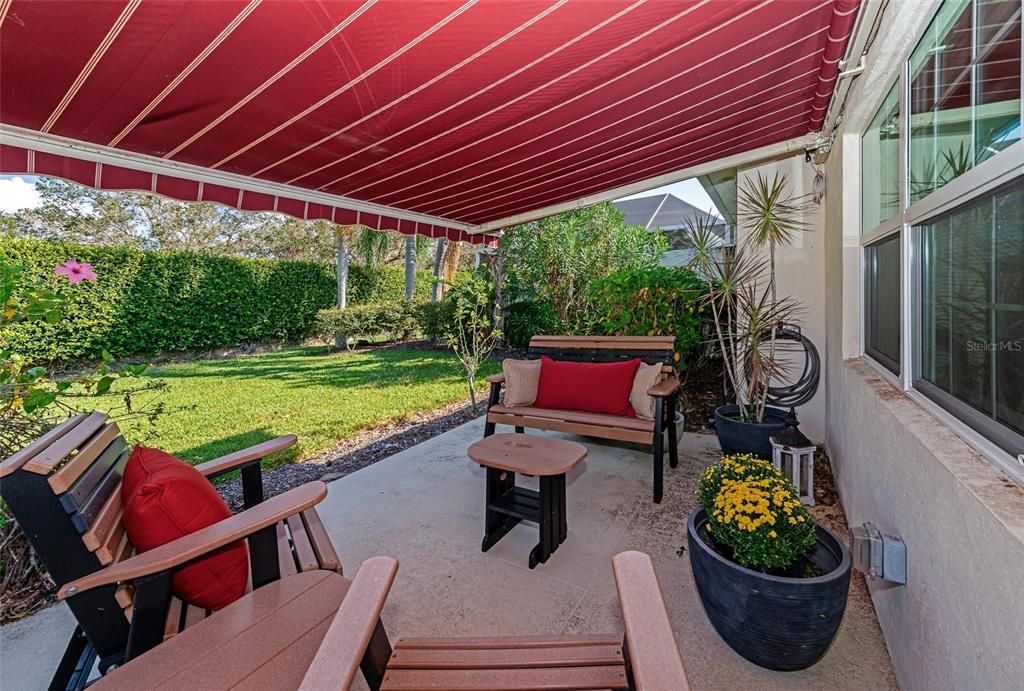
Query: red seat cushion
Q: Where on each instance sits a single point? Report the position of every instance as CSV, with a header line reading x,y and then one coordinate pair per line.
x,y
165,499
593,387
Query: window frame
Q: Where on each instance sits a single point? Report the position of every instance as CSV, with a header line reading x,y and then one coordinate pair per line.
x,y
973,426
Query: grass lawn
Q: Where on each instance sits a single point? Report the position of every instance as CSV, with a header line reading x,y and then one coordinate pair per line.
x,y
320,397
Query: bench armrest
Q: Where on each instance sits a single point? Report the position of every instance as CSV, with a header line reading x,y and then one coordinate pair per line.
x,y
233,461
348,637
650,643
185,549
666,387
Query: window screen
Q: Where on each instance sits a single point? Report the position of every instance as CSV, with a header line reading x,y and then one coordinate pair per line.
x,y
882,293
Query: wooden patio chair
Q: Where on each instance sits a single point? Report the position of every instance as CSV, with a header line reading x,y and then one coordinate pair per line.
x,y
646,657
316,630
64,491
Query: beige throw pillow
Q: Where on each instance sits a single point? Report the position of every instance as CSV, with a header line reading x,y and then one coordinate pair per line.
x,y
646,377
521,380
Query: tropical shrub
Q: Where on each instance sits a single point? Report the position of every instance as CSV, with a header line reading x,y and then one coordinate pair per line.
x,y
156,302
527,318
435,319
754,513
651,301
391,319
554,260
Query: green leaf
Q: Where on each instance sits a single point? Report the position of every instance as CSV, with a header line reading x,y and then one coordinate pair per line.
x,y
37,399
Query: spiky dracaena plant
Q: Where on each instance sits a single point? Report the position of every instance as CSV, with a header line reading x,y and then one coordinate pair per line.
x,y
772,215
745,314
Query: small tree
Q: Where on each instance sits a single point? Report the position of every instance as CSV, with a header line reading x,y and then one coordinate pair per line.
x,y
473,334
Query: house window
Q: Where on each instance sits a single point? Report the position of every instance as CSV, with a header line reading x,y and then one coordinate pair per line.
x,y
880,161
971,328
964,96
882,339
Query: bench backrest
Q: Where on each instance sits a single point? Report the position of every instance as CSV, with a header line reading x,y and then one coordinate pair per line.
x,y
650,349
64,491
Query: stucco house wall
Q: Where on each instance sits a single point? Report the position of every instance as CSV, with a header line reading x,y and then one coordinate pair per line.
x,y
958,623
800,274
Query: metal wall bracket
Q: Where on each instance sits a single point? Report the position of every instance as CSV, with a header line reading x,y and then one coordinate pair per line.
x,y
877,555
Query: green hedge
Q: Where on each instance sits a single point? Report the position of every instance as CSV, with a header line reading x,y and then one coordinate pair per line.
x,y
392,319
374,284
157,302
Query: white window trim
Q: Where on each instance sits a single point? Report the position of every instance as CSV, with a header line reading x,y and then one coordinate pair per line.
x,y
979,180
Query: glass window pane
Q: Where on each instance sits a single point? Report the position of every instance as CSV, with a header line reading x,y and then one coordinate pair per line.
x,y
880,163
997,100
882,325
964,90
972,305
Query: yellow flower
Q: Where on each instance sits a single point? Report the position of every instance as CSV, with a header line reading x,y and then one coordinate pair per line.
x,y
772,533
9,313
16,402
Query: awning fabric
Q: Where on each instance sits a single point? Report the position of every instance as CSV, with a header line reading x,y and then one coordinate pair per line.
x,y
422,117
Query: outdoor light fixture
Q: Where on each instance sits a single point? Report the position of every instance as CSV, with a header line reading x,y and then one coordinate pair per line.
x,y
793,455
877,555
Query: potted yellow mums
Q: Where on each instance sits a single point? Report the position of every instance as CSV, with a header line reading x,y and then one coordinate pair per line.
x,y
772,581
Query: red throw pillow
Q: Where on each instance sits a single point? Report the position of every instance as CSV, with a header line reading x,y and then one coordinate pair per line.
x,y
593,387
164,499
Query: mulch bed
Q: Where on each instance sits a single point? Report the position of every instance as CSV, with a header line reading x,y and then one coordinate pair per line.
x,y
702,393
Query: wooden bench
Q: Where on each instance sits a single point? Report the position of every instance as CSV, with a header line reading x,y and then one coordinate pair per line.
x,y
316,631
650,349
64,491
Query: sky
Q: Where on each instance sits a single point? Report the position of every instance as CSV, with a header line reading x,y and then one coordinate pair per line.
x,y
18,192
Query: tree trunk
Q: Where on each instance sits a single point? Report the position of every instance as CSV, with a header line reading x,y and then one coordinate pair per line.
x,y
450,265
497,265
410,266
438,264
341,239
471,378
341,242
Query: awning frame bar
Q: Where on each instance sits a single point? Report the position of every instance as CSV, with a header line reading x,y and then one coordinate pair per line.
x,y
747,158
95,153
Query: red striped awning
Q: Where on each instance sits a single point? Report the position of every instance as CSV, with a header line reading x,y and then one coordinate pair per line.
x,y
444,118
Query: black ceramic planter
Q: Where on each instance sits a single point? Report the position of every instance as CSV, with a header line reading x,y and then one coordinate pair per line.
x,y
780,623
736,436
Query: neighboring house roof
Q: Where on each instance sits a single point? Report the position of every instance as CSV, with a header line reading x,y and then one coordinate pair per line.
x,y
665,211
668,212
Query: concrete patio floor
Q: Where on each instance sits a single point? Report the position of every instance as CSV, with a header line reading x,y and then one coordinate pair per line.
x,y
424,506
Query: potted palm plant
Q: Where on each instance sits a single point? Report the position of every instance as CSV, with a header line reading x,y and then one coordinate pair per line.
x,y
747,314
772,582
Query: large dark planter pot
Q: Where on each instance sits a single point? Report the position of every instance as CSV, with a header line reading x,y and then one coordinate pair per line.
x,y
776,622
736,436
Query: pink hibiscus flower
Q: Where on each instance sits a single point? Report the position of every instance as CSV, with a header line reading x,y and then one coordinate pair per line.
x,y
76,272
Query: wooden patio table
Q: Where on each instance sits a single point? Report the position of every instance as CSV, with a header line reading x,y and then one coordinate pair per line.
x,y
504,455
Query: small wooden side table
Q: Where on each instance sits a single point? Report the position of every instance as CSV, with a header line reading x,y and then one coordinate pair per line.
x,y
504,455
